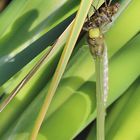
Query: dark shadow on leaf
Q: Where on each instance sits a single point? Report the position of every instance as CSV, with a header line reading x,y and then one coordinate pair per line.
x,y
19,32
89,88
9,65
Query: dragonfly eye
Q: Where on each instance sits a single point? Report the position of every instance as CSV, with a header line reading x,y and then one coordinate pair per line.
x,y
94,33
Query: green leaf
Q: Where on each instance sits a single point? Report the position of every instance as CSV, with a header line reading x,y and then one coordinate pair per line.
x,y
23,27
33,86
123,114
77,25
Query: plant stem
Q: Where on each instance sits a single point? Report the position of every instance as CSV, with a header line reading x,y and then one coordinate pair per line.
x,y
100,97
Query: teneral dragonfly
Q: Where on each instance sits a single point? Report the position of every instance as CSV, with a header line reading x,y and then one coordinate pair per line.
x,y
95,26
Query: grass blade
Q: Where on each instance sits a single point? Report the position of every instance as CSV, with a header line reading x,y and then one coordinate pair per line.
x,y
25,79
37,82
28,29
79,21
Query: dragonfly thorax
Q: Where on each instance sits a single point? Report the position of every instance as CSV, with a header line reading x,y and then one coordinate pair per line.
x,y
102,17
95,40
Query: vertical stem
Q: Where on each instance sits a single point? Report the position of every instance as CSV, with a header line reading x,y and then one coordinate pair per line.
x,y
100,97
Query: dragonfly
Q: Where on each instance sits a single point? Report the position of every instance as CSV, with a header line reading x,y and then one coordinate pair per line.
x,y
95,28
95,25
